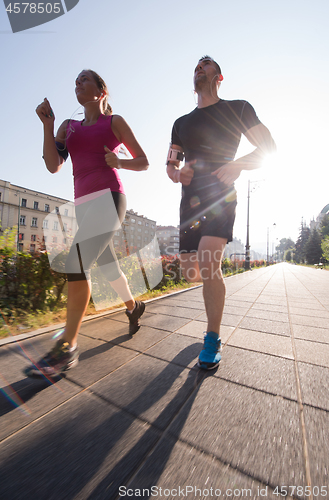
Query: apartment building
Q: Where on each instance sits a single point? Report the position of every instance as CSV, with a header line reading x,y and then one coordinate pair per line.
x,y
28,209
45,219
168,239
137,232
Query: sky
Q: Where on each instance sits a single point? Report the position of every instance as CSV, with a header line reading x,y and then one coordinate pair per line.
x,y
273,54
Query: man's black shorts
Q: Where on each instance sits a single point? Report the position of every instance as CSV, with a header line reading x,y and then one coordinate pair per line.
x,y
212,217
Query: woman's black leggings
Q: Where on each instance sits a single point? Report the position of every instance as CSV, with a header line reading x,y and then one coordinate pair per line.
x,y
98,220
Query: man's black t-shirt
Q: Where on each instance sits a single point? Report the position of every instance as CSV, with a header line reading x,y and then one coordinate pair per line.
x,y
210,135
213,133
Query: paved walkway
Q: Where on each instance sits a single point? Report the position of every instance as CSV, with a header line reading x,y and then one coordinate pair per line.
x,y
137,413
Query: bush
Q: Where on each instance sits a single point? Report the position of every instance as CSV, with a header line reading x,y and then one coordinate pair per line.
x,y
27,282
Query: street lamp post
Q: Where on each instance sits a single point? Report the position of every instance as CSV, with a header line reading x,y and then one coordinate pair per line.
x,y
247,260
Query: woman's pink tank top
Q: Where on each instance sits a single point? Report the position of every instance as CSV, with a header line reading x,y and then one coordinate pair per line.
x,y
86,147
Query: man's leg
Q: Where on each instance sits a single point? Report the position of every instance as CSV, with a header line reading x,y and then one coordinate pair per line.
x,y
190,267
210,252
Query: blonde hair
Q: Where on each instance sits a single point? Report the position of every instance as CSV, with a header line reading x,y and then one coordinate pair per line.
x,y
107,110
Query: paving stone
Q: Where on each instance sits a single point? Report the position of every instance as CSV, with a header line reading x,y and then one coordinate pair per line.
x,y
96,361
266,326
232,308
317,434
166,323
193,303
311,333
317,313
277,345
116,333
197,329
178,469
314,382
170,310
318,322
227,319
259,371
268,315
150,388
83,447
169,348
312,352
246,429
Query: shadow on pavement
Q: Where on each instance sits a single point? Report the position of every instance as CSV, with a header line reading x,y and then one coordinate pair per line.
x,y
77,451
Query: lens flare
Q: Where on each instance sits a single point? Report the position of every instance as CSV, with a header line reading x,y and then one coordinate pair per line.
x,y
194,201
14,398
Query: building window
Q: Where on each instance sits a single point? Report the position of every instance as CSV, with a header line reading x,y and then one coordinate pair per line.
x,y
34,222
33,237
133,221
0,196
57,210
20,247
66,212
54,239
139,230
47,208
140,222
65,227
45,224
55,225
21,236
32,248
22,220
146,223
44,239
152,226
23,202
36,205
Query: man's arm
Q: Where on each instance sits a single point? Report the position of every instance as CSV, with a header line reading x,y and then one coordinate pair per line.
x,y
260,137
183,175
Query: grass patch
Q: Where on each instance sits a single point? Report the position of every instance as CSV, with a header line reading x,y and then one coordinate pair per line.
x,y
22,322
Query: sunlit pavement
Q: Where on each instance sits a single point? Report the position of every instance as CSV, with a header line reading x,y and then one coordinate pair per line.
x,y
137,414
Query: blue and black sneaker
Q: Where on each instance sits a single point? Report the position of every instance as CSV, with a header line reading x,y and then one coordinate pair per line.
x,y
210,355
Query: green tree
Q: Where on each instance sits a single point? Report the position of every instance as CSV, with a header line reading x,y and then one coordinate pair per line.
x,y
313,250
303,237
324,229
285,244
325,248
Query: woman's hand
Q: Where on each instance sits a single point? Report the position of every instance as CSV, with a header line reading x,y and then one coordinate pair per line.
x,y
45,113
111,158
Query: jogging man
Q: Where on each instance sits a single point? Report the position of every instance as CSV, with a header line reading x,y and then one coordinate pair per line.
x,y
208,138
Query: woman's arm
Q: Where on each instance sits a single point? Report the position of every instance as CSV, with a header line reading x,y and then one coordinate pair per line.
x,y
125,135
51,157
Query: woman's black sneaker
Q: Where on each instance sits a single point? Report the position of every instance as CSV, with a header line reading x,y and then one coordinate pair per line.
x,y
134,316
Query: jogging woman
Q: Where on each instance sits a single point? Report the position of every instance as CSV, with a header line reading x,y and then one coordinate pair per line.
x,y
100,205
